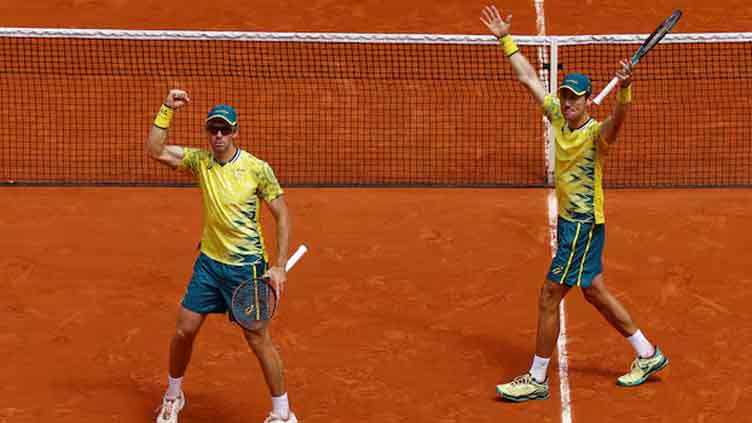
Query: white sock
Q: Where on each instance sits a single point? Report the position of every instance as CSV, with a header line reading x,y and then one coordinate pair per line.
x,y
539,368
173,386
281,406
641,344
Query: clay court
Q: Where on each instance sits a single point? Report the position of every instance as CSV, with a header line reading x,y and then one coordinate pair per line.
x,y
412,304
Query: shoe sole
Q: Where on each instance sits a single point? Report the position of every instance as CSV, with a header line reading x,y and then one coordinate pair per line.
x,y
661,366
522,399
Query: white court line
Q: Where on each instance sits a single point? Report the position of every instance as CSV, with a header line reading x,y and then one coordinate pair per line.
x,y
561,343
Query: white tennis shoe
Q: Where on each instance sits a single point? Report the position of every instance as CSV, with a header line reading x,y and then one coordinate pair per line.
x,y
273,418
170,408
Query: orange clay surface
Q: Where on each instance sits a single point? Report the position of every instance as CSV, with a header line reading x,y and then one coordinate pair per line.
x,y
411,305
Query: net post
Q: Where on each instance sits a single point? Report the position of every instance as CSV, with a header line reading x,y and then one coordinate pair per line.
x,y
553,82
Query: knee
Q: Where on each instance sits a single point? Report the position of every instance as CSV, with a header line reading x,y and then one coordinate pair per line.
x,y
594,293
257,339
185,333
188,325
548,300
591,295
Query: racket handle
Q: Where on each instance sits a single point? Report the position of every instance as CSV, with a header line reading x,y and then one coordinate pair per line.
x,y
606,90
295,257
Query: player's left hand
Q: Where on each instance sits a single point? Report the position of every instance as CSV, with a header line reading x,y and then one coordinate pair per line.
x,y
498,26
625,74
277,277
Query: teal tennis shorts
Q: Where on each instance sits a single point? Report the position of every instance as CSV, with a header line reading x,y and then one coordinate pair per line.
x,y
212,284
579,255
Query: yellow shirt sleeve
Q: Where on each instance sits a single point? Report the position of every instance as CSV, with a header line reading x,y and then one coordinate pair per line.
x,y
268,186
600,142
552,110
192,158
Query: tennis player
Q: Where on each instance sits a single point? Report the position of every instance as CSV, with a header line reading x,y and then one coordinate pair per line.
x,y
232,246
582,144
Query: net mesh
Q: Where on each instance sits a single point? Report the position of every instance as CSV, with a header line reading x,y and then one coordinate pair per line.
x,y
687,125
403,112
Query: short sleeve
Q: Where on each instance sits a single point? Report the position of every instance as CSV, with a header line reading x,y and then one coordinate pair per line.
x,y
598,138
552,110
191,160
268,185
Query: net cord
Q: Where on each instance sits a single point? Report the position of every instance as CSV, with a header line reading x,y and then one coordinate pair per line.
x,y
364,37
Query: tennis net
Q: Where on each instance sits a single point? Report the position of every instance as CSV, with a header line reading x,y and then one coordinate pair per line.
x,y
363,109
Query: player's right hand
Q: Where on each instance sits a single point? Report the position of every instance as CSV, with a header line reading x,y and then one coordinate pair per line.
x,y
277,277
625,74
176,99
498,26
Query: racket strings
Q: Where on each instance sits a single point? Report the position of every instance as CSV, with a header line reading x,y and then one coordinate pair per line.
x,y
254,300
657,35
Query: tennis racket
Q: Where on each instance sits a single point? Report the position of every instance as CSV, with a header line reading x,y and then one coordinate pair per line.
x,y
255,300
646,46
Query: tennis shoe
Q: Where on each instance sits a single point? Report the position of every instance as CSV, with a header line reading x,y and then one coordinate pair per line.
x,y
170,408
273,418
523,388
642,368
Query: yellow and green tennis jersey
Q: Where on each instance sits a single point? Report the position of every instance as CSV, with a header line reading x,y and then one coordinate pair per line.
x,y
231,196
580,154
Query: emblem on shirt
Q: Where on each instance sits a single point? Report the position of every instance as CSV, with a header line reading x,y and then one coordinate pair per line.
x,y
237,173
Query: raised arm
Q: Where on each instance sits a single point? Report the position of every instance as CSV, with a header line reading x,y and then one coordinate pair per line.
x,y
156,147
612,124
523,70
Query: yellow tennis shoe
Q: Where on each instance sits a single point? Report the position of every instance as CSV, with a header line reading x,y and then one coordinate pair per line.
x,y
642,368
523,388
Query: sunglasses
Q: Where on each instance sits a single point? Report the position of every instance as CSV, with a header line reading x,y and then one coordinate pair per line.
x,y
223,129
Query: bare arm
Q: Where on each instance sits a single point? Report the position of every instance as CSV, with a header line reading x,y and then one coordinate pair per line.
x,y
612,124
520,65
277,272
156,147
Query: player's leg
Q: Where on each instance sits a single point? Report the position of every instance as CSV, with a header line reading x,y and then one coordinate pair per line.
x,y
201,297
551,295
534,383
268,356
649,359
181,345
564,272
611,309
594,289
260,342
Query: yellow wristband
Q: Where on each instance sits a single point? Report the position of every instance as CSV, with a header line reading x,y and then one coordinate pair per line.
x,y
625,95
164,117
507,43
